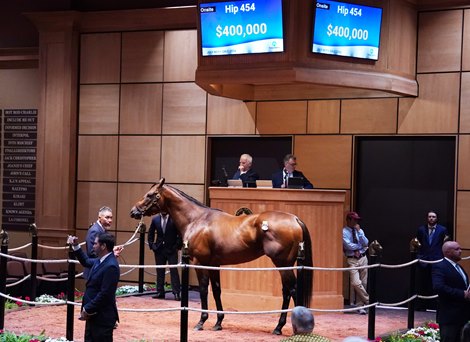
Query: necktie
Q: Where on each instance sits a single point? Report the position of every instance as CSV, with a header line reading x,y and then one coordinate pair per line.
x,y
460,270
164,219
285,179
431,234
354,235
95,265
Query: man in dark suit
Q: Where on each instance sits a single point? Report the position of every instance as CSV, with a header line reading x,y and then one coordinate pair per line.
x,y
165,248
451,284
99,301
102,225
280,179
245,172
431,236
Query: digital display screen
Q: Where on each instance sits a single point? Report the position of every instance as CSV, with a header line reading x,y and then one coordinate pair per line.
x,y
241,27
345,29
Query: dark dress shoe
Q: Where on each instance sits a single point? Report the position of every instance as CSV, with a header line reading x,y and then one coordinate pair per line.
x,y
159,295
177,297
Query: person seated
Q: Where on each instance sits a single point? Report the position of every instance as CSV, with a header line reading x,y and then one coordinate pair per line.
x,y
302,326
245,172
280,179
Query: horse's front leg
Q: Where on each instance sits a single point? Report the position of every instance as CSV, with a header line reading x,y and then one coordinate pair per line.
x,y
216,290
203,279
288,291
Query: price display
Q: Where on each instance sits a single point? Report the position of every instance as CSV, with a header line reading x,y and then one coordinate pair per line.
x,y
346,29
241,27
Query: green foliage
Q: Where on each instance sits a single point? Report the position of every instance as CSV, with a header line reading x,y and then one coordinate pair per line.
x,y
7,336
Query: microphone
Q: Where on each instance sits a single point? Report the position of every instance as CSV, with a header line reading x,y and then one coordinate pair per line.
x,y
225,172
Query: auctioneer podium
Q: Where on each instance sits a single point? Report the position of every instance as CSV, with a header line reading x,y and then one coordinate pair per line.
x,y
321,210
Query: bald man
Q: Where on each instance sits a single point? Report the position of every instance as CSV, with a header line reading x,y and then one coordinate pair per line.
x,y
451,284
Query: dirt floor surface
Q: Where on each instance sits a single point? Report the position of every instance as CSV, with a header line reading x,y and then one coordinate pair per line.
x,y
165,326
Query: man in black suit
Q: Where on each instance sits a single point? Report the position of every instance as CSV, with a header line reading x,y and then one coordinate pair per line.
x,y
245,172
165,248
451,284
99,301
431,236
280,179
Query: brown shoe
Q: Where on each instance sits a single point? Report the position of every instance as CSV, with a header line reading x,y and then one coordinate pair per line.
x,y
159,295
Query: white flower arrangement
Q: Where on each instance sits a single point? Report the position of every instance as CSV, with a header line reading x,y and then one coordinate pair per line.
x,y
428,333
60,339
45,298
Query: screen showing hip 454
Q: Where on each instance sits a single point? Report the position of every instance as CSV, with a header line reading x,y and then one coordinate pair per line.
x,y
241,27
345,29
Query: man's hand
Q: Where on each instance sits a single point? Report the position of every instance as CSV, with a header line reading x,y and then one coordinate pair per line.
x,y
357,227
72,240
466,294
117,250
84,315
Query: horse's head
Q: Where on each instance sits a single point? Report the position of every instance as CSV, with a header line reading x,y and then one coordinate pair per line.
x,y
149,205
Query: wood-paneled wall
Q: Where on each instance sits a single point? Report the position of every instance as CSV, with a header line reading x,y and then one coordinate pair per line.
x,y
141,116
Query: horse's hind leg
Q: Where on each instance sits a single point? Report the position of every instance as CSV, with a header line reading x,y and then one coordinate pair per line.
x,y
203,279
288,291
216,290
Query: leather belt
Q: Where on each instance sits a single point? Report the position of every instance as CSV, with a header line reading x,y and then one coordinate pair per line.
x,y
355,257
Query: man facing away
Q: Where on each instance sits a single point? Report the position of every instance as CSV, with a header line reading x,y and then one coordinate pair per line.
x,y
99,301
280,178
245,172
102,225
302,326
431,236
165,247
354,247
450,281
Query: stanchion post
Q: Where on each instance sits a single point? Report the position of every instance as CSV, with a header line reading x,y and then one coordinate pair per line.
x,y
184,293
70,294
142,229
34,256
3,275
375,250
300,276
414,246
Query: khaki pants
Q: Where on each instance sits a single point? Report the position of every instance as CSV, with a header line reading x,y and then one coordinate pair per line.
x,y
358,280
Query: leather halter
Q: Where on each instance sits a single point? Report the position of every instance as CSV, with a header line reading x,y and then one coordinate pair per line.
x,y
154,201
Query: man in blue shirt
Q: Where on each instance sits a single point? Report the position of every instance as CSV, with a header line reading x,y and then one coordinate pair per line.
x,y
354,247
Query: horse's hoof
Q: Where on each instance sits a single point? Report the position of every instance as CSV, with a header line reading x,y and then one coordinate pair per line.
x,y
216,327
198,327
277,331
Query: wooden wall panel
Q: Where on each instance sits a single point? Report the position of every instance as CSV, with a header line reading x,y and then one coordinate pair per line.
x,y
99,109
462,233
325,160
184,109
97,158
91,196
465,103
142,56
440,41
127,195
369,116
228,116
100,58
19,88
180,57
436,108
466,41
139,158
193,190
401,54
276,117
463,180
141,109
184,159
323,116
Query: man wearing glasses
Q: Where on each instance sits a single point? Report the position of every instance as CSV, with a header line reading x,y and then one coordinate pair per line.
x,y
280,179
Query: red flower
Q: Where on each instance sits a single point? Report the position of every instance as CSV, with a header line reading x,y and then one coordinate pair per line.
x,y
421,332
27,298
377,339
433,325
19,303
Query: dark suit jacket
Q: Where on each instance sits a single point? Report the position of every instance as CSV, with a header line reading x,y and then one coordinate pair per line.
x,y
431,251
278,179
167,243
450,286
250,175
92,233
99,299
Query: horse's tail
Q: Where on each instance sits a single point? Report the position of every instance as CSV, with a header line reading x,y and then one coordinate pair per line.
x,y
308,261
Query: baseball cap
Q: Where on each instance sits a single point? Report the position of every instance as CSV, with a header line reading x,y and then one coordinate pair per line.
x,y
353,215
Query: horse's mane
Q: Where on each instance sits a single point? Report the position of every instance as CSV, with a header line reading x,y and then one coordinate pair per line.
x,y
189,198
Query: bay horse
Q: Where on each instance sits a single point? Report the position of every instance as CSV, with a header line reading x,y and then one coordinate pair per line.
x,y
216,238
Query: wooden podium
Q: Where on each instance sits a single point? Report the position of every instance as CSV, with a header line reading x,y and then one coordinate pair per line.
x,y
321,210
